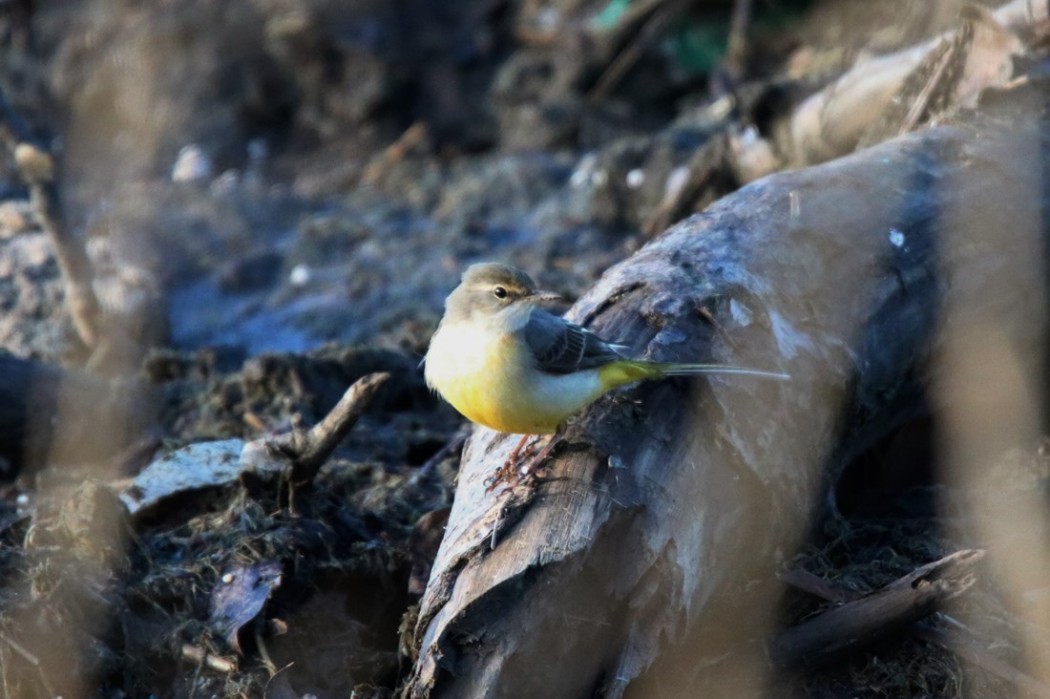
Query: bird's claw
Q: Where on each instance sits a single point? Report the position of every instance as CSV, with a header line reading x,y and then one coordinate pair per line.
x,y
531,466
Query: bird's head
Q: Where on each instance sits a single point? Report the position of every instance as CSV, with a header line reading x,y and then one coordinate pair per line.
x,y
489,287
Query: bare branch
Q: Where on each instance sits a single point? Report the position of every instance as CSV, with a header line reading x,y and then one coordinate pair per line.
x,y
308,449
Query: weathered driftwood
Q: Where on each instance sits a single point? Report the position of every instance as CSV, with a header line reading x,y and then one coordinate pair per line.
x,y
644,562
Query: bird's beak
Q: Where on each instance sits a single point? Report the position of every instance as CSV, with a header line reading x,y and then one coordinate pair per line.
x,y
545,296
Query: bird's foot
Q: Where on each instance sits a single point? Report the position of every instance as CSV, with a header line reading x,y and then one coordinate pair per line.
x,y
533,467
511,473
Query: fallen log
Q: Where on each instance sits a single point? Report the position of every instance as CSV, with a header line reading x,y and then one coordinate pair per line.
x,y
646,558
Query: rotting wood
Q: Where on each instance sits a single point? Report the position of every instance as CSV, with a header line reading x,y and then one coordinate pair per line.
x,y
863,621
668,499
925,631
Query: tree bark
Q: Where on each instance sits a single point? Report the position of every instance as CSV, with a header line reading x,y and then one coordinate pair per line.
x,y
644,563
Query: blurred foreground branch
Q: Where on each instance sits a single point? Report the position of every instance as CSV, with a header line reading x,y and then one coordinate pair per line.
x,y
49,414
37,167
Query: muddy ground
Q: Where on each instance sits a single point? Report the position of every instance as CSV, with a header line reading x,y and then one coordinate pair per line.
x,y
276,197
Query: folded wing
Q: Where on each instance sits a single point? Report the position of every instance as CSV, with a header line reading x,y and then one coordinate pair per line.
x,y
561,347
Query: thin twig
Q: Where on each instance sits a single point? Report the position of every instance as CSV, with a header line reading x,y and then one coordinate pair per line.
x,y
263,652
450,446
701,169
74,263
414,137
308,449
813,584
636,13
921,102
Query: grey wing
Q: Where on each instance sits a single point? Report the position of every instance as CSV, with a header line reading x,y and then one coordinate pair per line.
x,y
561,347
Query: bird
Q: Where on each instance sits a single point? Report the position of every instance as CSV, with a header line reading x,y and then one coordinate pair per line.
x,y
505,362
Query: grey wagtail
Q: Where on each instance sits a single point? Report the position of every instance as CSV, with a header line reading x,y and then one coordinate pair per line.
x,y
506,363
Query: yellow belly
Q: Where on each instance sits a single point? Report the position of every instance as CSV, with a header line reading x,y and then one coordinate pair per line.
x,y
490,380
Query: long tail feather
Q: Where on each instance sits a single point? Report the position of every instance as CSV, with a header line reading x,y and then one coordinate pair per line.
x,y
630,370
670,369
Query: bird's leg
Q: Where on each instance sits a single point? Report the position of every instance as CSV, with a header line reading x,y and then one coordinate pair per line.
x,y
507,471
532,466
516,452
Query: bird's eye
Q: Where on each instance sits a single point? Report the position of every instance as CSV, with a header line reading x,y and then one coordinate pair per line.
x,y
500,292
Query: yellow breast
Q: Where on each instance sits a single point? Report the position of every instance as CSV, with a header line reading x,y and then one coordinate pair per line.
x,y
491,379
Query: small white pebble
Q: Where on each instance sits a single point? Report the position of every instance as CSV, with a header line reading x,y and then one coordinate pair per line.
x,y
227,578
636,178
191,165
22,500
300,275
896,238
